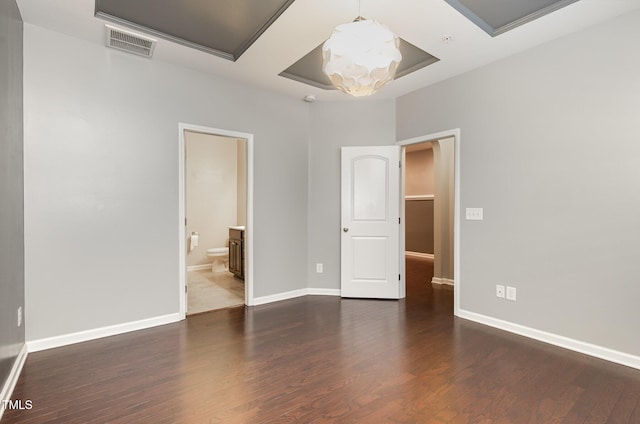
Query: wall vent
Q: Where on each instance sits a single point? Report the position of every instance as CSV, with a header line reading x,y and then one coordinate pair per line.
x,y
131,42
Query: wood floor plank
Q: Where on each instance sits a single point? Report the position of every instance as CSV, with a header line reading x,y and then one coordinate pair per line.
x,y
323,359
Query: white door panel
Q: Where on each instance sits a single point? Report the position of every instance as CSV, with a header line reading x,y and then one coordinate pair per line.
x,y
370,250
365,248
370,188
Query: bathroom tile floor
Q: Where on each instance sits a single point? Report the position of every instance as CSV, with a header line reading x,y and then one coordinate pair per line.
x,y
213,290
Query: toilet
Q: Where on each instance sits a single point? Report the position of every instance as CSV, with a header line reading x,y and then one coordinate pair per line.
x,y
220,257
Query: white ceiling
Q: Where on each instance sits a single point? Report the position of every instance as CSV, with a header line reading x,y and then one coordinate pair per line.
x,y
307,23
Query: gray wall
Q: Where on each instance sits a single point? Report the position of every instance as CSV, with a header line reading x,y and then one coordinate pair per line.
x,y
101,181
11,187
332,125
550,148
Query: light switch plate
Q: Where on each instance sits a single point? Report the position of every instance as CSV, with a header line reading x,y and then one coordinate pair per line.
x,y
474,214
500,291
511,293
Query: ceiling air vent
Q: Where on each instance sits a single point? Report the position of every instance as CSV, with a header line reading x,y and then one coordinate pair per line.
x,y
128,41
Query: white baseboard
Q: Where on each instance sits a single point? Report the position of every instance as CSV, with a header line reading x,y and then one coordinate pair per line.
x,y
442,281
294,293
198,267
14,374
112,330
324,292
83,336
554,339
279,296
419,254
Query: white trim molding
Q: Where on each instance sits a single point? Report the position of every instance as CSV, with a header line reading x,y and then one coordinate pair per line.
x,y
293,294
112,330
418,254
279,296
97,333
14,374
442,281
554,339
324,292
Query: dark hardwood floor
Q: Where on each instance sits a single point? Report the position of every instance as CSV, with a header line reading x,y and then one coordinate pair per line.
x,y
322,359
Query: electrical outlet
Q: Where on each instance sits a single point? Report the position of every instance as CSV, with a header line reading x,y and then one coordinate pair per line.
x,y
499,291
319,268
19,316
474,214
511,293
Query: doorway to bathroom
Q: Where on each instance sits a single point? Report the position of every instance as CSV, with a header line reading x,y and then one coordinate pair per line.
x,y
215,219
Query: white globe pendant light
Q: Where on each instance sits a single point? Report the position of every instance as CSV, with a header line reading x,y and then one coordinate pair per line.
x,y
361,57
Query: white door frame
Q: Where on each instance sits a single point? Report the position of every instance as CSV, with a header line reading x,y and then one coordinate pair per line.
x,y
455,133
182,240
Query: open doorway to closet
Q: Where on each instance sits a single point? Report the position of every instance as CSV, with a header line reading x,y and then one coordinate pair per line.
x,y
419,185
216,219
429,209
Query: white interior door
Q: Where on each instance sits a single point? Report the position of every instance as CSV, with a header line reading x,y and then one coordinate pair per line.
x,y
370,250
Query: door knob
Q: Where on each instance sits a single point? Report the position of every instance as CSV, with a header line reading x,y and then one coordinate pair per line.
x,y
345,229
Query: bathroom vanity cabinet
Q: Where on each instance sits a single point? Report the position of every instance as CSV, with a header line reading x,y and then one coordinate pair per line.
x,y
236,252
